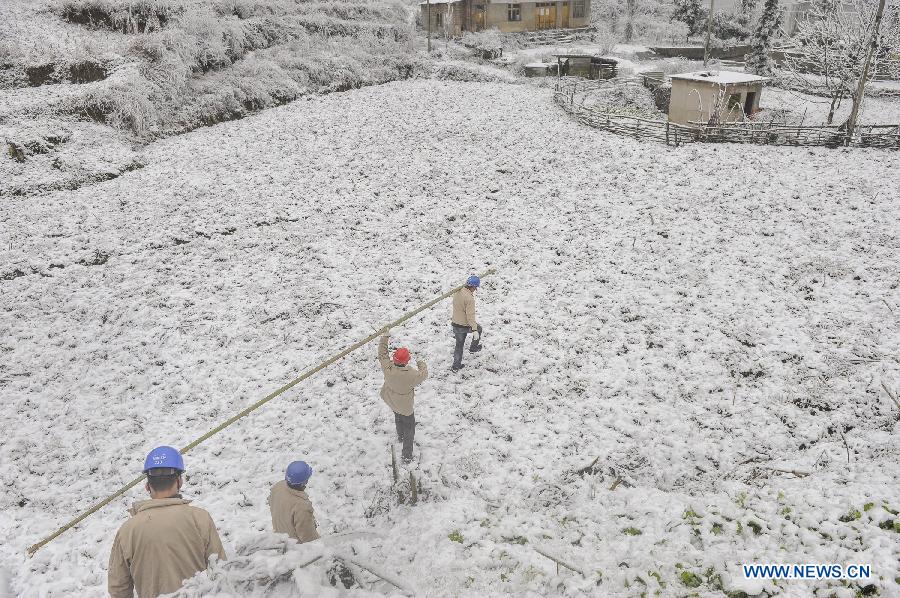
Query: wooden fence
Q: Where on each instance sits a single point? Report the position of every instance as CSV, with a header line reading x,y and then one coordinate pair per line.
x,y
571,93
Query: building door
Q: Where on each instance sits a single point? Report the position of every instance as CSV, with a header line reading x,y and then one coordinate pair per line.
x,y
546,15
564,15
748,103
478,17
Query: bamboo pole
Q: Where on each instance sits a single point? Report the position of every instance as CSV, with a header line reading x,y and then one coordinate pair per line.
x,y
308,373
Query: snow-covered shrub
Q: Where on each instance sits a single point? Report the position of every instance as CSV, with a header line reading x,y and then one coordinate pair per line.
x,y
126,104
631,99
662,95
629,20
253,84
673,66
691,13
468,72
135,16
488,43
779,117
274,565
650,28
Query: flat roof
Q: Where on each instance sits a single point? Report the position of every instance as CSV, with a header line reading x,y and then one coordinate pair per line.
x,y
719,77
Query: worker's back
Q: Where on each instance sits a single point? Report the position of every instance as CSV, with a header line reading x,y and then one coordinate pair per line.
x,y
165,542
292,513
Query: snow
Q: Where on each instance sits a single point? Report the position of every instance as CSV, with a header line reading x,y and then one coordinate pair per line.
x,y
690,330
814,109
720,77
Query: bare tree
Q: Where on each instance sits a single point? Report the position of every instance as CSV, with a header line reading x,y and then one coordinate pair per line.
x,y
833,44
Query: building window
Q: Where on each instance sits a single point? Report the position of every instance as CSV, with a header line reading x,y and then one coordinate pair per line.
x,y
513,12
578,9
734,101
439,20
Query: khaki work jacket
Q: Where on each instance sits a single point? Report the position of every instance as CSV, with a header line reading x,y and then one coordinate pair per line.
x,y
292,513
464,309
165,542
400,381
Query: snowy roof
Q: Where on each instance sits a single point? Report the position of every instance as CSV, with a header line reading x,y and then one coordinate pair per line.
x,y
719,77
424,2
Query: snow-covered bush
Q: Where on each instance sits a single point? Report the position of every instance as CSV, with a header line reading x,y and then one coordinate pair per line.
x,y
662,95
629,20
489,40
274,565
673,66
652,28
125,104
630,99
136,16
729,27
470,73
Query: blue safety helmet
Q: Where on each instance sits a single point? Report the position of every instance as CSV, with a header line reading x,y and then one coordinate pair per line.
x,y
473,281
163,460
298,473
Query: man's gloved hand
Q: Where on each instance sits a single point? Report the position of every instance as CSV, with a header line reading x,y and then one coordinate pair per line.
x,y
420,364
476,336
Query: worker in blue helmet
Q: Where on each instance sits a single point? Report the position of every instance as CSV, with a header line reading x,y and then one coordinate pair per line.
x,y
292,511
166,540
463,321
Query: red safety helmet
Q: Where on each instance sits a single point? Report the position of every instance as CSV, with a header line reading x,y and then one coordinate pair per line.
x,y
401,356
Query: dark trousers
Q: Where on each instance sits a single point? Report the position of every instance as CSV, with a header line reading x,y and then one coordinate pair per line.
x,y
406,432
460,332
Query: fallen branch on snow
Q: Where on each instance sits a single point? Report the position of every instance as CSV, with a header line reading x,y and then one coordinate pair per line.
x,y
559,561
890,394
799,474
391,579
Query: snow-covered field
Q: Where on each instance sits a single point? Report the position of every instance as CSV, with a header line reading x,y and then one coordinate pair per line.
x,y
814,109
694,319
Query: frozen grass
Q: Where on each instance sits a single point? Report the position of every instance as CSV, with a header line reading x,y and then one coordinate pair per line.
x,y
169,49
696,319
797,108
158,67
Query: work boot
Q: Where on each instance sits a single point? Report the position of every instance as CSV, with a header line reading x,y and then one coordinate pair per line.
x,y
475,349
456,368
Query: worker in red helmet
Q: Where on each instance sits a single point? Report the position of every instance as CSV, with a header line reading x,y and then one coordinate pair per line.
x,y
398,390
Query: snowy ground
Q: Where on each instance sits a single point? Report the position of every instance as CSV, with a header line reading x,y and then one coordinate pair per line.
x,y
814,109
696,318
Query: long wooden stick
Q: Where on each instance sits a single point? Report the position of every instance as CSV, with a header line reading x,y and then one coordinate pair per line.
x,y
250,409
558,561
892,396
391,579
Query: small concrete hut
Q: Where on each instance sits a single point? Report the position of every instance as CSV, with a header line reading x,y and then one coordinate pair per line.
x,y
718,96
